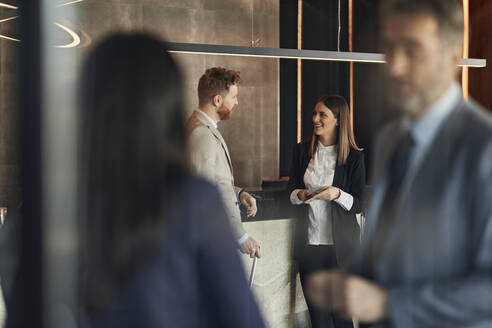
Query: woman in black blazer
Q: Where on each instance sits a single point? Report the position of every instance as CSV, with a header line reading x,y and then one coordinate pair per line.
x,y
326,181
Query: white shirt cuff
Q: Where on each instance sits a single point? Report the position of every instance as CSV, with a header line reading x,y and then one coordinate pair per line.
x,y
293,197
242,239
345,200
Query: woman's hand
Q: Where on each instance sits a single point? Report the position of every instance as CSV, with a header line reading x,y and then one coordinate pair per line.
x,y
302,194
327,193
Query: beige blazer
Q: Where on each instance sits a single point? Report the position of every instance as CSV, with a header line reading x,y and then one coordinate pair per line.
x,y
209,158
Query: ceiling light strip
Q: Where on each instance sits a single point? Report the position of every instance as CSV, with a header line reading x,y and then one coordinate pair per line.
x,y
212,49
360,57
473,62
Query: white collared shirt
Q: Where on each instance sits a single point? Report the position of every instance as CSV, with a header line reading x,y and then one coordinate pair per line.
x,y
319,174
423,131
214,124
425,128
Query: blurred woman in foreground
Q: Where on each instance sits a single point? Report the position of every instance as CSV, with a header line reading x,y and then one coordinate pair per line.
x,y
158,248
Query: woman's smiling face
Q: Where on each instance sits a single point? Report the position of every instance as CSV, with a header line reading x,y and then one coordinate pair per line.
x,y
324,121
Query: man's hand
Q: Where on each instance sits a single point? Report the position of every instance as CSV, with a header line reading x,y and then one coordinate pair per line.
x,y
349,296
251,247
328,193
250,203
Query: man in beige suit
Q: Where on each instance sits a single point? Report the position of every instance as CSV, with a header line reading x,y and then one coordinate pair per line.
x,y
209,156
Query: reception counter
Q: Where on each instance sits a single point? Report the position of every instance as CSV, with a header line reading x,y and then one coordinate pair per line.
x,y
276,286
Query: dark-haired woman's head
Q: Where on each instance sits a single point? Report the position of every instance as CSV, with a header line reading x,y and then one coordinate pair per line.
x,y
332,115
133,155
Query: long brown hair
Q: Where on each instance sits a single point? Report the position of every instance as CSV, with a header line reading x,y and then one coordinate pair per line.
x,y
345,138
134,167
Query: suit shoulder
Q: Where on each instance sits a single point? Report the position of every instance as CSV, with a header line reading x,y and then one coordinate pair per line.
x,y
200,129
201,133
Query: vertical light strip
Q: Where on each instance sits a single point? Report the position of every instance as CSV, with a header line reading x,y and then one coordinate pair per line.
x,y
299,72
351,48
466,47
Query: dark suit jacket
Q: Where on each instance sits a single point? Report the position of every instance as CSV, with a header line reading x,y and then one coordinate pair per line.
x,y
350,178
196,278
436,262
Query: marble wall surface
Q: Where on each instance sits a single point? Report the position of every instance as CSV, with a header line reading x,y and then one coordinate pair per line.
x,y
252,132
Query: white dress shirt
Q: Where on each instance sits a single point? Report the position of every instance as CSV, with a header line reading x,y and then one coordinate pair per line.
x,y
425,128
319,174
214,124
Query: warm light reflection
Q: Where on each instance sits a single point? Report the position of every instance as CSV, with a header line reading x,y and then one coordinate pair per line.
x,y
8,19
351,48
299,72
6,5
69,3
76,39
466,47
9,38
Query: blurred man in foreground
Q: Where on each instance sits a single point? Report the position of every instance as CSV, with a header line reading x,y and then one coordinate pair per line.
x,y
426,258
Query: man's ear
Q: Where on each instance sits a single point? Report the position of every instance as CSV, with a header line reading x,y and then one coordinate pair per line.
x,y
217,100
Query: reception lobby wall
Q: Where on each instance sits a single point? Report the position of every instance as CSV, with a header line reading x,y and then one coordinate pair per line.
x,y
252,132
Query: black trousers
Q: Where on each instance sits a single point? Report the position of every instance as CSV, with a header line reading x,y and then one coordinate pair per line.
x,y
318,258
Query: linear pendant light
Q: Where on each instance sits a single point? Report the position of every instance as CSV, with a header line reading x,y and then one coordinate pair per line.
x,y
360,57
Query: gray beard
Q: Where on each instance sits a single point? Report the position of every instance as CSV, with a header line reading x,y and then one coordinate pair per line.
x,y
411,106
417,104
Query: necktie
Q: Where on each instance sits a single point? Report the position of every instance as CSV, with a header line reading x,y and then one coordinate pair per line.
x,y
397,170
